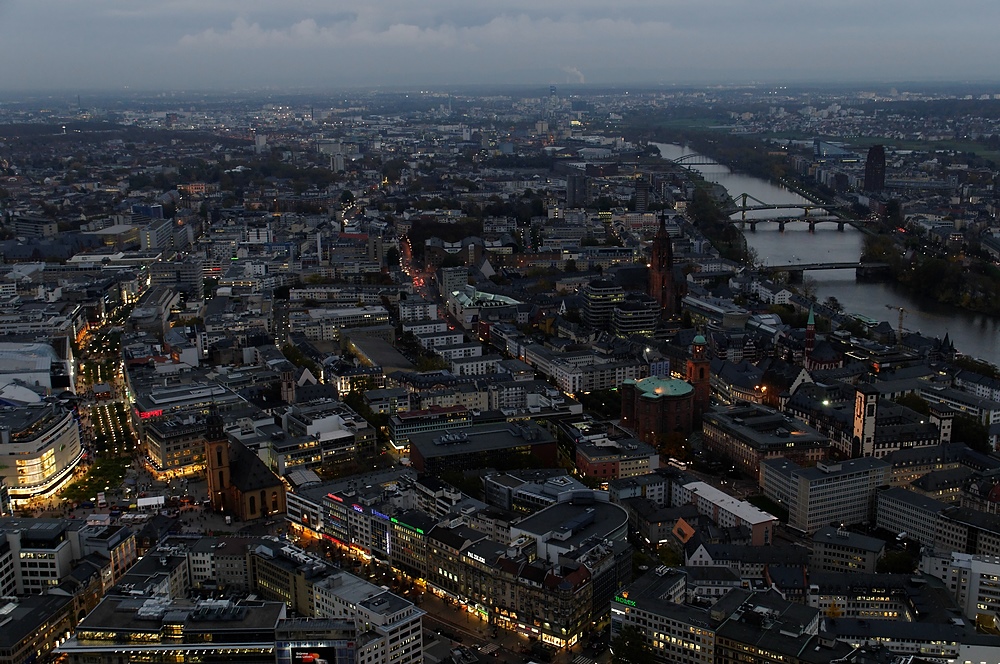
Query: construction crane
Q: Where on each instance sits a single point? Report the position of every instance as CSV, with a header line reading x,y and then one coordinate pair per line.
x,y
899,328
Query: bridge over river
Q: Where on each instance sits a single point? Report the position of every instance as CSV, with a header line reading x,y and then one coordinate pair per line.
x,y
796,270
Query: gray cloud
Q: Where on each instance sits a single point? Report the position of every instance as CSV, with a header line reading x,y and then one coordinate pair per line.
x,y
237,43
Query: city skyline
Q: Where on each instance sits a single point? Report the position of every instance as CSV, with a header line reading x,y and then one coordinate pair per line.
x,y
112,44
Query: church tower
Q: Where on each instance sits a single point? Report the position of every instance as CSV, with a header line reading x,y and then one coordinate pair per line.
x,y
698,373
661,271
288,383
865,413
216,461
810,335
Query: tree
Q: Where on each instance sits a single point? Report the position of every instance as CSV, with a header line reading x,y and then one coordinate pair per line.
x,y
914,402
896,562
392,256
808,288
434,363
295,355
570,266
972,432
833,303
346,197
630,647
894,214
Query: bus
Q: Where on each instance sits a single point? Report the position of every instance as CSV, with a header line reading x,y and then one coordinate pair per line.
x,y
679,465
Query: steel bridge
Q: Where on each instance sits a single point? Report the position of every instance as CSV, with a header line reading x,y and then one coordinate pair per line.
x,y
745,202
694,160
741,203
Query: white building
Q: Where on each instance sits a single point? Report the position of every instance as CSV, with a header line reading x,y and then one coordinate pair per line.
x,y
829,493
972,580
42,442
392,623
726,510
414,310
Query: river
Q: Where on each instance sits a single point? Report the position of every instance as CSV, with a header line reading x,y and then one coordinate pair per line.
x,y
973,334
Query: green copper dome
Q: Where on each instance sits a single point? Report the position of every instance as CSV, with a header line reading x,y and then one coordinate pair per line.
x,y
659,386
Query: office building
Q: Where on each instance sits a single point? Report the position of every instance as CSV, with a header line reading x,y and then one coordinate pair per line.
x,y
497,445
184,275
840,550
967,531
389,625
34,625
638,314
748,434
908,514
321,324
875,170
576,191
403,426
600,298
971,580
742,626
157,629
33,227
827,494
606,459
641,194
157,235
42,445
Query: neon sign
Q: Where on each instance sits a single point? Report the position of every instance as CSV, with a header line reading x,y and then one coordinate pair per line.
x,y
407,526
146,414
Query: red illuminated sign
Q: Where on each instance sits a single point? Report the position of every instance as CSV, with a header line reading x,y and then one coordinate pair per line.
x,y
150,413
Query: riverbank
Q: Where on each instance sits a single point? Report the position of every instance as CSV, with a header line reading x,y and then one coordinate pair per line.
x,y
975,334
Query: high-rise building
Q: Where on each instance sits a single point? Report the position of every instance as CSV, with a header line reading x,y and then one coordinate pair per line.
x,y
661,271
185,275
157,234
641,194
875,169
576,190
638,314
600,297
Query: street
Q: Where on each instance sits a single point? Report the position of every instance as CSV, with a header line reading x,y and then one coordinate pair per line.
x,y
447,618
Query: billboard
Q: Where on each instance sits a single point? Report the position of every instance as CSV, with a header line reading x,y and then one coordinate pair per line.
x,y
323,654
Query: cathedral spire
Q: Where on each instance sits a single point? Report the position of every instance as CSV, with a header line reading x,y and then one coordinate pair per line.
x,y
661,270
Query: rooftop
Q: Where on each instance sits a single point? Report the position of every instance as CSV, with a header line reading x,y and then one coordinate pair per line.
x,y
661,386
829,534
479,438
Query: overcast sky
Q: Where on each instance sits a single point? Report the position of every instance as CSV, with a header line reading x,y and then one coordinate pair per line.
x,y
226,44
